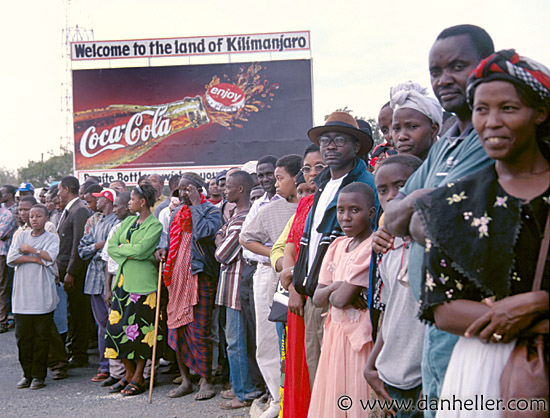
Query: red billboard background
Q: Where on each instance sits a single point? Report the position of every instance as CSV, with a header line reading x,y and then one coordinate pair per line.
x,y
180,117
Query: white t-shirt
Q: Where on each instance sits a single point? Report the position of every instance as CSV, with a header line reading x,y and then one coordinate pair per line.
x,y
326,197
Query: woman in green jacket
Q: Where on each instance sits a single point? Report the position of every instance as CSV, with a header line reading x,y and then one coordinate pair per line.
x,y
130,329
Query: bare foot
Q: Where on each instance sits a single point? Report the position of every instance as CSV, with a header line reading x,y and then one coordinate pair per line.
x,y
181,390
206,390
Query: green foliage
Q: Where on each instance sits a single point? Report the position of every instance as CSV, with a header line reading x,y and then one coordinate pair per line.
x,y
42,173
7,177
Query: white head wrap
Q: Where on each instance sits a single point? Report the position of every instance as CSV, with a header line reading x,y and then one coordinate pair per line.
x,y
412,95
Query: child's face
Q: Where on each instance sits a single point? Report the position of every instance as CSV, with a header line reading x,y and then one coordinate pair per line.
x,y
384,122
304,189
412,132
354,213
37,219
285,184
24,209
389,179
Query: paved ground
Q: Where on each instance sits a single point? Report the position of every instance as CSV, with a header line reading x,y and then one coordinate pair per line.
x,y
77,396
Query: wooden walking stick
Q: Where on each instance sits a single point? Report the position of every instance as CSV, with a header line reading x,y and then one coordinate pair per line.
x,y
157,315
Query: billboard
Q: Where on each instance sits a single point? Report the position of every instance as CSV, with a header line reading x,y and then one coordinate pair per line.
x,y
129,121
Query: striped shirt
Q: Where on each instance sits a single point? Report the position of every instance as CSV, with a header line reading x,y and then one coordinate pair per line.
x,y
229,255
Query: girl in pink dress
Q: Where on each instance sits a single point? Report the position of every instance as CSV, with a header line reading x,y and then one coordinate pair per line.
x,y
340,387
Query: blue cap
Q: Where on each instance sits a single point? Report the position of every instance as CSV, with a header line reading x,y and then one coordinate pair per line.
x,y
25,187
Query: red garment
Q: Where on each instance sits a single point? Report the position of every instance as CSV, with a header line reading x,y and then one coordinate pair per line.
x,y
182,222
297,391
297,228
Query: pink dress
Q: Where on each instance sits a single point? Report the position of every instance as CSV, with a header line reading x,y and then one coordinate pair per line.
x,y
347,339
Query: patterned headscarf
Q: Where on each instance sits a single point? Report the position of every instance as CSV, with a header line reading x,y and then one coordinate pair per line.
x,y
412,95
531,77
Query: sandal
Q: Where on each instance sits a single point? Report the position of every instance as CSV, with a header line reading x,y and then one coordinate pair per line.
x,y
118,386
100,377
133,388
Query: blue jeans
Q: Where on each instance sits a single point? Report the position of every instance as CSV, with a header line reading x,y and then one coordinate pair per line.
x,y
101,315
60,313
438,347
403,395
239,374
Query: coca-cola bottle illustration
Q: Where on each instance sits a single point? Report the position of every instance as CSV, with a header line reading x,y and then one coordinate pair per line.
x,y
119,133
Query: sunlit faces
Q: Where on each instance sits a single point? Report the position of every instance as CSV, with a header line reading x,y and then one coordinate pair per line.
x,y
49,202
354,212
285,184
24,209
117,186
102,203
338,155
213,189
505,124
450,61
413,132
266,177
388,179
157,182
256,193
120,208
313,161
37,219
232,189
385,122
91,201
305,189
136,202
184,190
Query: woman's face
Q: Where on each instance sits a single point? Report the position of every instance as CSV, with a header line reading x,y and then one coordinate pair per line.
x,y
315,162
505,124
285,184
136,202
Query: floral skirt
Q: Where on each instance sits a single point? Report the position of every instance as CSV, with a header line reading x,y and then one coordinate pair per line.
x,y
130,331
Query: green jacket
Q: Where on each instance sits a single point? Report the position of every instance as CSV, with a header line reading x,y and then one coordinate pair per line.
x,y
136,259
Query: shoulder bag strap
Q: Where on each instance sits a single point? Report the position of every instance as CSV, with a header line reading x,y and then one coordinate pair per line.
x,y
543,254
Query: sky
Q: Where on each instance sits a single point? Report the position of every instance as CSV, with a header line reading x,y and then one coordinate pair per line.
x,y
359,49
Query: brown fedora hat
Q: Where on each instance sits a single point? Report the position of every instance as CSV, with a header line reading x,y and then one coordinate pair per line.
x,y
345,123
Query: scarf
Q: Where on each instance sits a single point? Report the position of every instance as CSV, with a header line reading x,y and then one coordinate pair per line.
x,y
183,221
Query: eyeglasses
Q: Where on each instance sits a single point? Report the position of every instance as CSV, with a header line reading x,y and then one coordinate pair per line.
x,y
339,141
318,168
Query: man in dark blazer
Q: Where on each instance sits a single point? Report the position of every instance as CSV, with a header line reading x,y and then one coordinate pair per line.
x,y
72,269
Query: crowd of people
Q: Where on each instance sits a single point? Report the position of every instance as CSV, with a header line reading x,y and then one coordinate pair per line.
x,y
396,273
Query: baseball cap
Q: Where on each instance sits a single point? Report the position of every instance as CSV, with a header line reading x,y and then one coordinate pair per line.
x,y
25,187
106,193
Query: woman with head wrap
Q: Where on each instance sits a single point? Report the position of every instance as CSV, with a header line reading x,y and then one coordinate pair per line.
x,y
484,233
417,119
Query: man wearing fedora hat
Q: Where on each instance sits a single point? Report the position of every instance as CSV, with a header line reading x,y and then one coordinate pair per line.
x,y
342,144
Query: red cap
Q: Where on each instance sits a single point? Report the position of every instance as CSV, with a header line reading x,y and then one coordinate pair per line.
x,y
106,193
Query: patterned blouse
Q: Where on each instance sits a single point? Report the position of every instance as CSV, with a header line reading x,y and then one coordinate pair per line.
x,y
481,242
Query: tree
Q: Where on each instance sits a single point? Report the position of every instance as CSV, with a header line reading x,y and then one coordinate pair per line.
x,y
42,173
377,136
7,177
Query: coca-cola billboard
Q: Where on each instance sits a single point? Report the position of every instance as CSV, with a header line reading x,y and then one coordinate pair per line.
x,y
181,117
